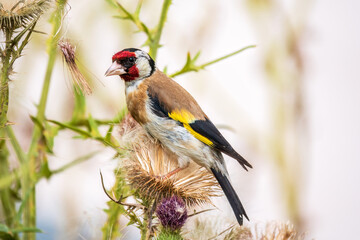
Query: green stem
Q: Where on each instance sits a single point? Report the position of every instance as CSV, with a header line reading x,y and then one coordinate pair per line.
x,y
15,144
4,83
154,45
8,204
29,179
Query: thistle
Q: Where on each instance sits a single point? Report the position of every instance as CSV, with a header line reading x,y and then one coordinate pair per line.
x,y
15,14
68,51
172,213
147,162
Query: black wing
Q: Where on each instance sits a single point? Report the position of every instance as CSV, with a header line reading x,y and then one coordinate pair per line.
x,y
207,129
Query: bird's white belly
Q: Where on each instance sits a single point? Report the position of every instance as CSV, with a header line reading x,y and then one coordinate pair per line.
x,y
180,141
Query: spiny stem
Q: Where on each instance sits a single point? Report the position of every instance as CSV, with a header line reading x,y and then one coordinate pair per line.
x,y
8,203
4,83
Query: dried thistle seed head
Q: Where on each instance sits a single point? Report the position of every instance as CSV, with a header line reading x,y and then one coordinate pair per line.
x,y
239,232
279,231
172,213
148,161
68,51
18,13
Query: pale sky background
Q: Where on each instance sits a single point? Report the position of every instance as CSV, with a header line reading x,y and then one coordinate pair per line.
x,y
231,92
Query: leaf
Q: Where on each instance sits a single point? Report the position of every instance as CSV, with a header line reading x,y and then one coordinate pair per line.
x,y
191,66
4,228
45,170
49,133
26,229
75,129
37,122
108,136
165,69
75,162
7,180
94,129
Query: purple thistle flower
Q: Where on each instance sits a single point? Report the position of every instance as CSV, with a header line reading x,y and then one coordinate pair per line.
x,y
172,213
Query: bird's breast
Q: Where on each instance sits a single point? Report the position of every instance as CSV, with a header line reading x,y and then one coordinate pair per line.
x,y
136,102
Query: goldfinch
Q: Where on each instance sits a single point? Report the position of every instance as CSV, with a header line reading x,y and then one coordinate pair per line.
x,y
172,116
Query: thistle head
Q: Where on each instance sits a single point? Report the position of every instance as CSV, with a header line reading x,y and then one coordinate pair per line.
x,y
172,213
68,51
17,13
147,161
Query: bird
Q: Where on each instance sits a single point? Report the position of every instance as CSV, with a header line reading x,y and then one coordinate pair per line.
x,y
172,116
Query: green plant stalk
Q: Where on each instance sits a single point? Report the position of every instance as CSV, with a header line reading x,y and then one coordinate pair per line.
x,y
10,207
8,203
15,144
4,84
154,44
111,229
29,179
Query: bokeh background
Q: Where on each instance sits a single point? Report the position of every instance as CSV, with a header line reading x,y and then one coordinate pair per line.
x,y
290,106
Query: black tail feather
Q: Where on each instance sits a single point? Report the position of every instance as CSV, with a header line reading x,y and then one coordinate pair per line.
x,y
231,195
245,164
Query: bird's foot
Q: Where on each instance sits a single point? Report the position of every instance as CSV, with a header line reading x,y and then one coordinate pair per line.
x,y
171,173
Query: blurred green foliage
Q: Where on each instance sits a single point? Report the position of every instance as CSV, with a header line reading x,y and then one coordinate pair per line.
x,y
18,185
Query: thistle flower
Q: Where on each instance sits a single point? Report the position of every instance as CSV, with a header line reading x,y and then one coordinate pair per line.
x,y
68,52
172,213
146,163
18,13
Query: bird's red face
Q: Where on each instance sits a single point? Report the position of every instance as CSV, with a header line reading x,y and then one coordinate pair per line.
x,y
124,65
131,64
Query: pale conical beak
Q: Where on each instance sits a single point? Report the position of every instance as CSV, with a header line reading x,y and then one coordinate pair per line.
x,y
115,69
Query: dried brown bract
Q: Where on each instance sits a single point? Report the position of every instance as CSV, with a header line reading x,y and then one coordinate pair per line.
x,y
148,162
279,231
127,125
68,51
15,14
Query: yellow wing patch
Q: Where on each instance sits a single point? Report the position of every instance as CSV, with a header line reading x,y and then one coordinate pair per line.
x,y
183,116
198,135
186,118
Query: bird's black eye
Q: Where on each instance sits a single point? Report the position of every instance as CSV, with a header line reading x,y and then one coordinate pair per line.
x,y
131,59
